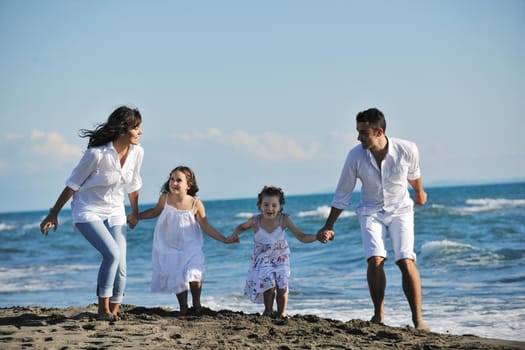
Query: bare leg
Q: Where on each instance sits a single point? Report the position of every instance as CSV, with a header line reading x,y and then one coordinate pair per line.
x,y
113,307
376,285
183,302
104,312
282,301
196,288
412,289
268,296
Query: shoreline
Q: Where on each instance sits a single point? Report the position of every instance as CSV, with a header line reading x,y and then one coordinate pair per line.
x,y
154,327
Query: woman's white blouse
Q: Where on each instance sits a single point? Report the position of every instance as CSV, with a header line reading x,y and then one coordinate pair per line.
x,y
101,184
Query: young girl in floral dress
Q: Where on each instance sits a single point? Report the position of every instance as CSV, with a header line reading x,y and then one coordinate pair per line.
x,y
267,277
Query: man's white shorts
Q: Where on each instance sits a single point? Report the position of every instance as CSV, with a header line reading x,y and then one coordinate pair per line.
x,y
400,227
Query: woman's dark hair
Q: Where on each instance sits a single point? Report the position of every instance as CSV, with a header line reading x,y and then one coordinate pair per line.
x,y
190,178
119,122
271,191
373,117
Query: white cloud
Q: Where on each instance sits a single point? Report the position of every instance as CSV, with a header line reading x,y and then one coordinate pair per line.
x,y
210,134
52,144
268,146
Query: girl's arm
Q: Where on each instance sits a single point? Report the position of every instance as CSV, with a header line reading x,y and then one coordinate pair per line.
x,y
241,228
200,216
303,237
155,211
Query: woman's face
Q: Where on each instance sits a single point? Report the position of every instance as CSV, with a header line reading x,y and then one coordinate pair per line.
x,y
133,134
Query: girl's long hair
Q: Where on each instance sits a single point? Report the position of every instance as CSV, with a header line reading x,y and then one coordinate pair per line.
x,y
190,178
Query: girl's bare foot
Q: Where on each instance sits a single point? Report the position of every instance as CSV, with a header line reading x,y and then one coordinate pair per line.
x,y
183,311
197,309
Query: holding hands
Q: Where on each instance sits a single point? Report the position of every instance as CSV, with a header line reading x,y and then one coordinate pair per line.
x,y
233,238
324,235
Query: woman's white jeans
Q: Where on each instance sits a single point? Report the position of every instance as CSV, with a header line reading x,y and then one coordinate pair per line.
x,y
111,244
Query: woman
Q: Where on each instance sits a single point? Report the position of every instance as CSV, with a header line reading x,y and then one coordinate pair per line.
x,y
109,168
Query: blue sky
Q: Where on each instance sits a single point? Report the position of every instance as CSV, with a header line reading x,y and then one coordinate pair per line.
x,y
252,93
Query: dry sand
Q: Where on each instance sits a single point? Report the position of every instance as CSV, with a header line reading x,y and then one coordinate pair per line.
x,y
157,328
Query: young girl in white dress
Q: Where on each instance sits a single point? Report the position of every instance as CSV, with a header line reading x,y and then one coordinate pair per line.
x,y
177,256
267,277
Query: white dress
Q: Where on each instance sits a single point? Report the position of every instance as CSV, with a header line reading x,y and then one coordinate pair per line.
x,y
270,266
177,256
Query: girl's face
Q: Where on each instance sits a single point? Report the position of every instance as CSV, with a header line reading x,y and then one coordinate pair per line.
x,y
270,206
178,182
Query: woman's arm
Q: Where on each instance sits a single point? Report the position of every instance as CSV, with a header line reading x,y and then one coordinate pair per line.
x,y
134,203
52,218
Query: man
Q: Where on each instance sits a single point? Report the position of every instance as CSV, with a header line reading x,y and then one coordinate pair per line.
x,y
385,166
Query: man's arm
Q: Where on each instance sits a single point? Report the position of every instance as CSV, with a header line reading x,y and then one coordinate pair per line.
x,y
420,196
327,231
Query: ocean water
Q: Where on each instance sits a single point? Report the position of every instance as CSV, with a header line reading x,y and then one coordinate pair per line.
x,y
470,242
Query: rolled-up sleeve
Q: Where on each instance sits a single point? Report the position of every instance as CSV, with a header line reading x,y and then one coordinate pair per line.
x,y
136,182
85,167
414,171
346,184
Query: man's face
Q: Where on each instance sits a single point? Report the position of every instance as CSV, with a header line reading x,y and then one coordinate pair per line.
x,y
368,137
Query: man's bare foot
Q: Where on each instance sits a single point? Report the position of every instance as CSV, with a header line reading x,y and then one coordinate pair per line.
x,y
377,320
421,326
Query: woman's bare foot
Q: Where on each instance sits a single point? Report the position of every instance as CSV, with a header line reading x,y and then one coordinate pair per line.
x,y
107,317
114,310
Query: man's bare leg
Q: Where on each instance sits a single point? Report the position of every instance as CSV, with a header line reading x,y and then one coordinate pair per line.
x,y
412,289
376,285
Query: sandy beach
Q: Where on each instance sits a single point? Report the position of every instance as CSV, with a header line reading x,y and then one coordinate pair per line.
x,y
156,328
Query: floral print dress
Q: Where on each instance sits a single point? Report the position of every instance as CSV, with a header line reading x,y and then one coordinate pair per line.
x,y
270,265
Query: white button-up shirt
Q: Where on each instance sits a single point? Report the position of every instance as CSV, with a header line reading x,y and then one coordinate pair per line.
x,y
385,188
101,183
